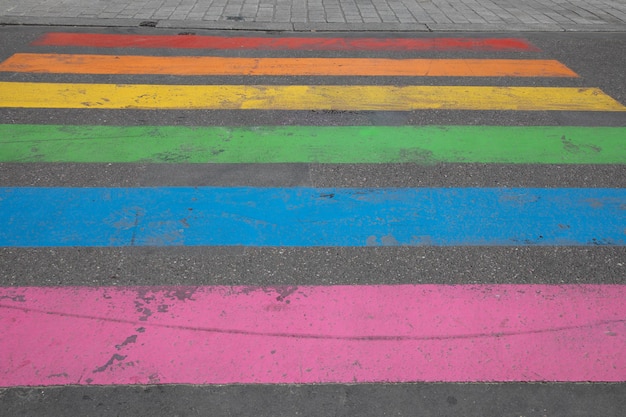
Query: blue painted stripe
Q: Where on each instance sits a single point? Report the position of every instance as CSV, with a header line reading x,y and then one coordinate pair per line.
x,y
311,217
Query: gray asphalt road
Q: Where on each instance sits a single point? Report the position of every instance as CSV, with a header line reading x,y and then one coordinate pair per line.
x,y
599,59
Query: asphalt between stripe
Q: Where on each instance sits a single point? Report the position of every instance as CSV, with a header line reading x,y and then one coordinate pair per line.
x,y
311,266
432,400
225,118
33,174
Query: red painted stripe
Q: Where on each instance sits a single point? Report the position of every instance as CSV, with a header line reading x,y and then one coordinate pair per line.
x,y
97,40
337,334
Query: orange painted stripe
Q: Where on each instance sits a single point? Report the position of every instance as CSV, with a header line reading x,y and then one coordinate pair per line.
x,y
188,65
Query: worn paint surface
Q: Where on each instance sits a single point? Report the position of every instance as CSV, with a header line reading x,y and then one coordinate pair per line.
x,y
177,65
302,97
311,217
98,40
339,334
319,144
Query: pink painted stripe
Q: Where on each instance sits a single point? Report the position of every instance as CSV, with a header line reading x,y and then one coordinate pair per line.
x,y
336,334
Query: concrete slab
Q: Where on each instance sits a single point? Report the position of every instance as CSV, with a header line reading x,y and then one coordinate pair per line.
x,y
302,15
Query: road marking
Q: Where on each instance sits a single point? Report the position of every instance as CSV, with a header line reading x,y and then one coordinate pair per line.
x,y
219,335
313,334
189,65
207,216
317,144
302,97
96,40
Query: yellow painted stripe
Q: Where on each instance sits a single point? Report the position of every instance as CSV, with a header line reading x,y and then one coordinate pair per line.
x,y
302,97
192,65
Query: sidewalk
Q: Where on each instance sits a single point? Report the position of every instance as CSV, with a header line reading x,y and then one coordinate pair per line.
x,y
326,15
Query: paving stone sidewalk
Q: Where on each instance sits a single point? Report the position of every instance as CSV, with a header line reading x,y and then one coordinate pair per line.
x,y
400,15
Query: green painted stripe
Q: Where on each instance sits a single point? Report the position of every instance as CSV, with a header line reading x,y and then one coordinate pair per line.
x,y
347,144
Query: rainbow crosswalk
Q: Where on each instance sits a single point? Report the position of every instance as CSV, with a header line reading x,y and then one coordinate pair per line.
x,y
316,333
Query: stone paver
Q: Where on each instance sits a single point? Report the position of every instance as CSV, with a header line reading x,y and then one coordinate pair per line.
x,y
402,15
